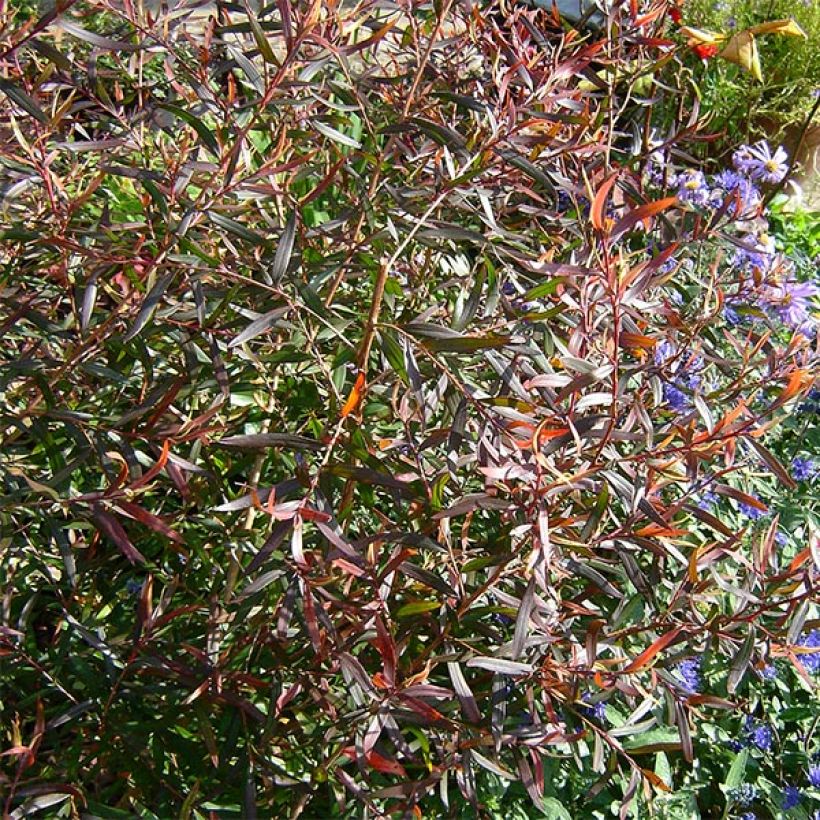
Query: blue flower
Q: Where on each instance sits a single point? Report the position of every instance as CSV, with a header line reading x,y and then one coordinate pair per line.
x,y
768,672
731,315
744,795
683,375
692,188
745,195
762,737
757,257
765,165
791,797
812,402
676,398
758,734
689,671
708,499
596,710
803,468
811,660
133,586
814,775
791,301
749,511
667,267
743,160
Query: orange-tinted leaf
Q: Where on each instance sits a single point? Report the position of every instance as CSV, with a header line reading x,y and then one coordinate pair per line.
x,y
637,340
384,764
649,654
655,780
642,212
655,530
598,209
155,470
150,520
355,396
743,498
796,381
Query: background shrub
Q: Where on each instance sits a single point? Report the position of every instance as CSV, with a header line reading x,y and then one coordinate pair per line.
x,y
744,108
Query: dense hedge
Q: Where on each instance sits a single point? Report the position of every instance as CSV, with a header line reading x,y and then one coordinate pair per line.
x,y
395,421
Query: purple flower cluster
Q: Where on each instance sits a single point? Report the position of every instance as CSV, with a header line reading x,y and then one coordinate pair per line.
x,y
758,162
768,672
812,401
745,197
683,375
689,671
744,795
759,735
594,710
790,301
791,797
814,775
749,511
753,164
762,737
692,188
811,660
759,256
803,469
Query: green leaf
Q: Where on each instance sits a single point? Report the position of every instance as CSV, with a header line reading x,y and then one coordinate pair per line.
x,y
554,809
741,661
201,129
737,770
336,136
149,303
284,250
417,607
17,95
261,40
661,739
236,228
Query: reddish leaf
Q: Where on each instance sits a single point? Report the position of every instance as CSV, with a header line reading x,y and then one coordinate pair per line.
x,y
598,209
385,765
645,211
110,527
150,520
355,396
649,654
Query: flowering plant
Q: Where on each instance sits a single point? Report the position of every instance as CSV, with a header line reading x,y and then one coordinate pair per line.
x,y
394,424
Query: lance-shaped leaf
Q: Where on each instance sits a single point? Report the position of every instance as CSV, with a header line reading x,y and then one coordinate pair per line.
x,y
17,95
741,661
108,525
500,666
648,655
202,130
258,326
147,308
284,250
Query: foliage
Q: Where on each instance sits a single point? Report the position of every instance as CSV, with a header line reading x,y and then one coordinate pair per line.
x,y
738,104
393,422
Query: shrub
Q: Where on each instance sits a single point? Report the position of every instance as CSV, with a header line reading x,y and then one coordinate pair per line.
x,y
741,107
389,421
